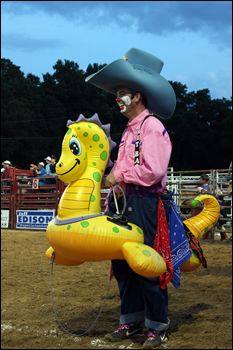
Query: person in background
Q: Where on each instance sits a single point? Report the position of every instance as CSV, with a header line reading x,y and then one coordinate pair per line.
x,y
53,170
40,171
205,184
8,170
53,165
229,178
47,167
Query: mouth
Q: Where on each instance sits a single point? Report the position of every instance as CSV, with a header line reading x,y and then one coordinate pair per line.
x,y
120,103
77,162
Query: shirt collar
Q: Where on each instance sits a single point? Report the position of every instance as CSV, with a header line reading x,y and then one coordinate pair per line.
x,y
138,119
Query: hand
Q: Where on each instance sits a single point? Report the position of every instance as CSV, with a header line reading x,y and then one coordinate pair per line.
x,y
199,189
110,180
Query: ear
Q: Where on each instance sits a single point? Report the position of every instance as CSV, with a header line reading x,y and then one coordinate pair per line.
x,y
137,97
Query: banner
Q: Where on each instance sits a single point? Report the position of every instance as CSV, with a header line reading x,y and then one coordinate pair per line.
x,y
4,218
34,219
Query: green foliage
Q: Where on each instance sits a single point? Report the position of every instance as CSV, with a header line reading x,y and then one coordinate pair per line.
x,y
34,116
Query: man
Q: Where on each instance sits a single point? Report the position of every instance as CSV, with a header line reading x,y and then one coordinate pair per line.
x,y
142,173
53,165
40,171
47,167
8,172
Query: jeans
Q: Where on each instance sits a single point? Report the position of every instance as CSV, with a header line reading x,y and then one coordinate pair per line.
x,y
142,299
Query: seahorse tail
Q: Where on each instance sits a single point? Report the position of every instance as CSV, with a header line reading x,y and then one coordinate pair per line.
x,y
204,221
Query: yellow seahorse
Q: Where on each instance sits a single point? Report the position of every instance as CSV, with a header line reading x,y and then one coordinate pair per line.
x,y
79,232
200,224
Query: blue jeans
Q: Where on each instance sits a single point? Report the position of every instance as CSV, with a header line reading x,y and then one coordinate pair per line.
x,y
142,299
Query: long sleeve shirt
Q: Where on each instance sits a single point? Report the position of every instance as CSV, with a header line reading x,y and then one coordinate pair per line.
x,y
8,173
155,151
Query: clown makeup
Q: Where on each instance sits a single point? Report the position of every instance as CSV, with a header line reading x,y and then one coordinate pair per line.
x,y
123,102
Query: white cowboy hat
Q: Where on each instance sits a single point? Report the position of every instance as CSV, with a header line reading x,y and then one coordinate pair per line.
x,y
7,162
138,71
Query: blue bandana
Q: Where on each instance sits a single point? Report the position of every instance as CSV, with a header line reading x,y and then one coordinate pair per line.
x,y
180,249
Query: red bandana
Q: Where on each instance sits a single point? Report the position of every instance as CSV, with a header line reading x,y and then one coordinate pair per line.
x,y
162,245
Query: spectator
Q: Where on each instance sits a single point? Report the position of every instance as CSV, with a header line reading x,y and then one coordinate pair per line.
x,y
53,165
224,216
53,169
8,172
40,171
47,167
205,184
229,172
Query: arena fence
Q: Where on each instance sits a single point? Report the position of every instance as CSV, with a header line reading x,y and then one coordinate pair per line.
x,y
21,193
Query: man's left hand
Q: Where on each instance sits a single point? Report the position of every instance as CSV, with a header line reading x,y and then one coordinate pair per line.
x,y
110,180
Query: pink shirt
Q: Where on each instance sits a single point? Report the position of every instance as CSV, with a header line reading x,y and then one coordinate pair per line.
x,y
155,152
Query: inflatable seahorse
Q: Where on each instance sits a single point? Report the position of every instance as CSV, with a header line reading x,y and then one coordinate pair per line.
x,y
200,224
79,232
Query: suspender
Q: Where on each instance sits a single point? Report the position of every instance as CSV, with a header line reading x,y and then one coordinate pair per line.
x,y
136,153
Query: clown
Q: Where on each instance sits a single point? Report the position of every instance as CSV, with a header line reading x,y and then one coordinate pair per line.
x,y
141,170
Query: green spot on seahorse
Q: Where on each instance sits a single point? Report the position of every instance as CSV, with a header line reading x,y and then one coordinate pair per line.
x,y
139,230
78,128
68,227
101,146
94,163
100,204
96,177
85,134
51,227
84,224
146,253
141,243
115,229
89,126
104,155
92,198
96,138
69,131
206,229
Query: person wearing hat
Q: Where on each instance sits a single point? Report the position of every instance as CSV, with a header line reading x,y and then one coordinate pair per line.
x,y
47,167
141,170
40,171
8,170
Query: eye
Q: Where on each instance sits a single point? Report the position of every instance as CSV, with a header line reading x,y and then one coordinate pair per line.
x,y
75,146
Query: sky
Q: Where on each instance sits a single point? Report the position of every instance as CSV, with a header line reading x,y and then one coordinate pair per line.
x,y
192,38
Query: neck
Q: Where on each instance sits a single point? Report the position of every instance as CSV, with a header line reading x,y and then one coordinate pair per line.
x,y
132,114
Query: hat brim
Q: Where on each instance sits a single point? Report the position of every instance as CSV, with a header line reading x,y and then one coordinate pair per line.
x,y
160,96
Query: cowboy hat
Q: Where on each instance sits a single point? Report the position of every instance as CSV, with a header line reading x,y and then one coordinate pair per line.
x,y
138,71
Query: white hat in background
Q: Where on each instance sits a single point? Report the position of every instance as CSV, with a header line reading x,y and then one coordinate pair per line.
x,y
41,163
48,158
7,162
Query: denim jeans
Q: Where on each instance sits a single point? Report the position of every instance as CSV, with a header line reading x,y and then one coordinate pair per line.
x,y
142,299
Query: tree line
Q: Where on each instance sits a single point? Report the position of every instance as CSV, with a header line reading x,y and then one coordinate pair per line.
x,y
34,115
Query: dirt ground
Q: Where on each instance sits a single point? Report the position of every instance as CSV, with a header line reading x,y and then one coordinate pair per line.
x,y
200,310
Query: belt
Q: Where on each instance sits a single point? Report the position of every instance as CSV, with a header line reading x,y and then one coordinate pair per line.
x,y
133,190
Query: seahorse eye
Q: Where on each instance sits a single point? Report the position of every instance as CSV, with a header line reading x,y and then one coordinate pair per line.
x,y
75,146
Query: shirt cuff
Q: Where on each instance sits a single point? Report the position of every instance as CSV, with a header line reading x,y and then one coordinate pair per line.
x,y
118,176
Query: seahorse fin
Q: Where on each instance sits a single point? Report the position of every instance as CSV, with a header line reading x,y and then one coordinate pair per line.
x,y
143,259
61,260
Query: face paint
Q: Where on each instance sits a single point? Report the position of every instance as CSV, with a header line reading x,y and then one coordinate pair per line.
x,y
126,102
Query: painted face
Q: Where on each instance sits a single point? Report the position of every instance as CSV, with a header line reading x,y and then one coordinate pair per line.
x,y
123,102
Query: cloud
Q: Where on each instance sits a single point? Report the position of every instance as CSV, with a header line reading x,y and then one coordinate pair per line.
x,y
212,18
25,43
